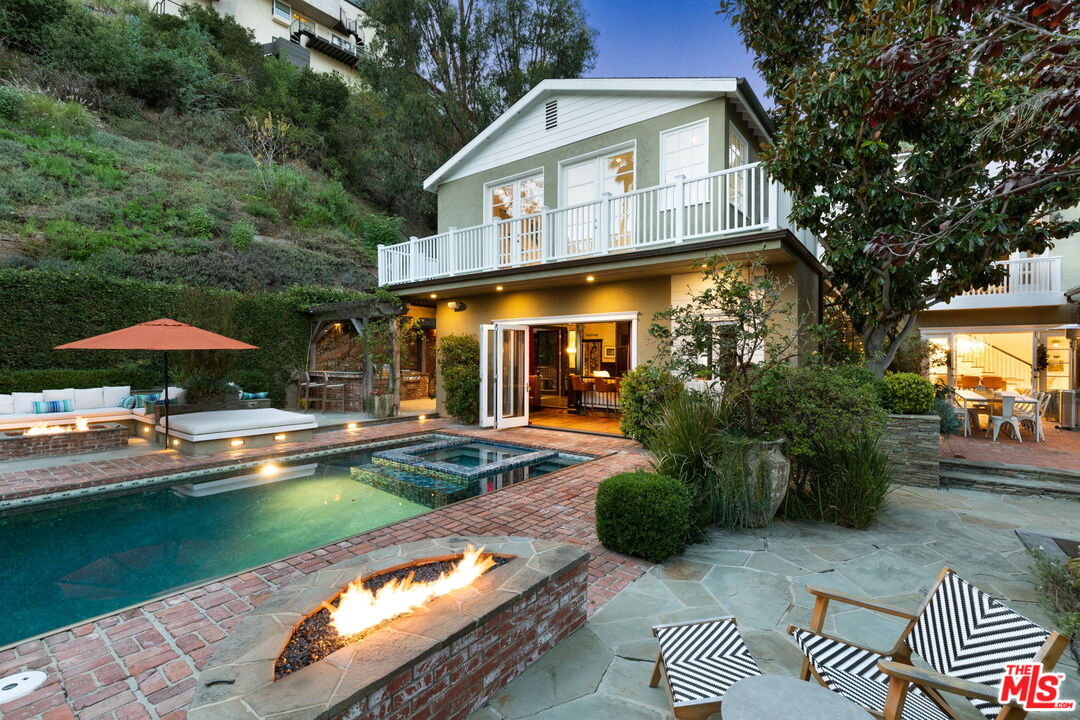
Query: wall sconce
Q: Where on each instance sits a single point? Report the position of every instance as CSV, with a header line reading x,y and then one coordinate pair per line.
x,y
571,350
456,305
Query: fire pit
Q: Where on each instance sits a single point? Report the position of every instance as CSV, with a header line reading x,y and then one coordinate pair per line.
x,y
61,439
451,643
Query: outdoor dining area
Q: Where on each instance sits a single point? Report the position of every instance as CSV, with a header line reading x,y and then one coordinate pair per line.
x,y
1004,410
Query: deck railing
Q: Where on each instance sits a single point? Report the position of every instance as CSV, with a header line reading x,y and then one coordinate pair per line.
x,y
1026,275
737,201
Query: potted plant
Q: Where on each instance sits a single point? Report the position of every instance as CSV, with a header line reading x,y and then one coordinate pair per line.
x,y
720,344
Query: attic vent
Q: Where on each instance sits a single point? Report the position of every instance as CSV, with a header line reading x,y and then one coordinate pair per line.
x,y
551,114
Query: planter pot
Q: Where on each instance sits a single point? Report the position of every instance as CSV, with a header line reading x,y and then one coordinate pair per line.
x,y
382,406
755,480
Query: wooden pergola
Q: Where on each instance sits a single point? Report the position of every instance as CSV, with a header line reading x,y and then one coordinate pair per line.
x,y
360,314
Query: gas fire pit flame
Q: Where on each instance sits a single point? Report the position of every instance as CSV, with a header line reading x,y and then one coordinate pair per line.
x,y
360,609
44,428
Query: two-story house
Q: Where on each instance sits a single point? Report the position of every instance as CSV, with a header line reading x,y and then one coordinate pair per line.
x,y
1022,333
325,35
579,214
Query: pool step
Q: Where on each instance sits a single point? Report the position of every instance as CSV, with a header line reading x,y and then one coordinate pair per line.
x,y
1015,479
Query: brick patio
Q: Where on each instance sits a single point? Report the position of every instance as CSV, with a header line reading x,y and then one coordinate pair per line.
x,y
140,663
1061,450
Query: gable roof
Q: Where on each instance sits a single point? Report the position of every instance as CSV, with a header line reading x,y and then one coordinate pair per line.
x,y
697,89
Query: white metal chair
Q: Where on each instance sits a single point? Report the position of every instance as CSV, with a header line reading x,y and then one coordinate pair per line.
x,y
1006,418
963,414
1034,416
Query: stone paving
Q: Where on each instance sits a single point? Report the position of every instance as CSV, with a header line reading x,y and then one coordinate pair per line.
x,y
602,671
140,663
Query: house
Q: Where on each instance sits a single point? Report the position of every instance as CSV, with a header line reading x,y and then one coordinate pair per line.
x,y
1020,334
325,35
581,212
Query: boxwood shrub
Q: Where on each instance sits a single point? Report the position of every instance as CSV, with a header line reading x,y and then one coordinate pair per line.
x,y
642,393
643,514
459,365
907,394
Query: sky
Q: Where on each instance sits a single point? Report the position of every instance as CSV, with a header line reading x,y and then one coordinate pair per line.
x,y
668,38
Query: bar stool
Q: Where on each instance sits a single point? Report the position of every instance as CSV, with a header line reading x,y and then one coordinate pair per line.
x,y
304,386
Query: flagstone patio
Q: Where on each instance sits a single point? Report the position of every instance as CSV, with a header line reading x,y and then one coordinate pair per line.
x,y
602,671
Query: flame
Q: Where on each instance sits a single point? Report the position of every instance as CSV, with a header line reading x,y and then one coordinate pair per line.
x,y
360,609
44,428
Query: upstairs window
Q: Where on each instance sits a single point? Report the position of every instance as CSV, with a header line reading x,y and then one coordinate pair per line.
x,y
738,154
685,151
282,11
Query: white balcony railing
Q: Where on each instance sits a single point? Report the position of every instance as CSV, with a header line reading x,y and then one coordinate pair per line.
x,y
738,201
1028,282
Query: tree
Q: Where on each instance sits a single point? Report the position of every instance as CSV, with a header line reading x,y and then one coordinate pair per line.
x,y
922,140
442,70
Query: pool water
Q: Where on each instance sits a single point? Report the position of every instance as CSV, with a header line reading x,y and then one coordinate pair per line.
x,y
473,454
67,563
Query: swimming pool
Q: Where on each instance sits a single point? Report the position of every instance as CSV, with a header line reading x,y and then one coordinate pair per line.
x,y
64,564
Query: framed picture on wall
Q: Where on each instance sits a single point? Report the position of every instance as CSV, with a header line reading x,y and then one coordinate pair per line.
x,y
609,352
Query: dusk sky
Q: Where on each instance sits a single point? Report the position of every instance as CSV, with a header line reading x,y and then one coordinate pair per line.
x,y
650,38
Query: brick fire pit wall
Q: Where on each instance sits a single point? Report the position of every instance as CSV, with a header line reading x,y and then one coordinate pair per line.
x,y
440,662
103,436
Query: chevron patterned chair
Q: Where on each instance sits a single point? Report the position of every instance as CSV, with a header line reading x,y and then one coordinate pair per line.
x,y
699,661
963,635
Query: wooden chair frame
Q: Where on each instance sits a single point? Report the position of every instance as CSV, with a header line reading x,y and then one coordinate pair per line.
x,y
698,710
902,672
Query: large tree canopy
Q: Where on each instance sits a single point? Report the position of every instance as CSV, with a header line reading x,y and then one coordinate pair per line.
x,y
922,140
442,70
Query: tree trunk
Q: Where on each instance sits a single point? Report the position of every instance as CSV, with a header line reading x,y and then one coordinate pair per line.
x,y
879,356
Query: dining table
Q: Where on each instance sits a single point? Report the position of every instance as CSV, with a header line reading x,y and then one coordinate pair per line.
x,y
985,400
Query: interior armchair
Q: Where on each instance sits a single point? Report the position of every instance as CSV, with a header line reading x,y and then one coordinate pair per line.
x,y
964,636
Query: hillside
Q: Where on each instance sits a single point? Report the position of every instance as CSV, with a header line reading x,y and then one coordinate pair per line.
x,y
75,192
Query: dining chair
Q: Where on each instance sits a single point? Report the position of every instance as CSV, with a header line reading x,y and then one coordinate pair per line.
x,y
1033,415
993,382
967,382
1006,418
963,414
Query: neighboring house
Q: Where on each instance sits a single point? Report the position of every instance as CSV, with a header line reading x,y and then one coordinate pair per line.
x,y
580,213
1022,332
325,35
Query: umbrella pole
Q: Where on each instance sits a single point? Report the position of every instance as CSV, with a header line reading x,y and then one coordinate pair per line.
x,y
166,392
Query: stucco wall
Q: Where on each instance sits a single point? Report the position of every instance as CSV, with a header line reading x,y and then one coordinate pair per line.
x,y
462,201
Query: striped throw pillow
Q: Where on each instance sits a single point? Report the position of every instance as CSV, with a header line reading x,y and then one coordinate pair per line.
x,y
253,396
51,406
132,401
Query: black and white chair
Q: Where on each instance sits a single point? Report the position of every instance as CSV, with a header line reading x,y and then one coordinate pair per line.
x,y
699,661
963,635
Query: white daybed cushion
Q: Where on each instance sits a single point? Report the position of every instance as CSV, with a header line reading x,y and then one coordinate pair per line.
x,y
218,422
24,402
88,399
179,393
59,395
7,405
113,394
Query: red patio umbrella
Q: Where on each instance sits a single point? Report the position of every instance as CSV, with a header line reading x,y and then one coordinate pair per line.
x,y
164,335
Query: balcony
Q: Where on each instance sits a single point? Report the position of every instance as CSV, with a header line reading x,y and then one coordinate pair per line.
x,y
1031,282
739,201
340,49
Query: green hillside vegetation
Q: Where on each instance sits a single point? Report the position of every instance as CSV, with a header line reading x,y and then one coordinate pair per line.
x,y
156,167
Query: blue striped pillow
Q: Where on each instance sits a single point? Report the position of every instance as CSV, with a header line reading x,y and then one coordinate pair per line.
x,y
140,400
51,406
253,396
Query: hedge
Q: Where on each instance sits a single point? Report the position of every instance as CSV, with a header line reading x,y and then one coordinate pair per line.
x,y
43,309
643,514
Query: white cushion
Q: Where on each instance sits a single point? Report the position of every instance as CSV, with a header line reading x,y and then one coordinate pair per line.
x,y
24,402
88,399
224,421
57,395
112,395
179,393
95,415
7,405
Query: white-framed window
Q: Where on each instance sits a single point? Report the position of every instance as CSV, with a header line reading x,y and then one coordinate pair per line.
x,y
515,197
282,11
738,154
684,151
586,179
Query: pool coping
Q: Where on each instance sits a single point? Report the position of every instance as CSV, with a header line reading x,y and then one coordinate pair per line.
x,y
107,489
399,459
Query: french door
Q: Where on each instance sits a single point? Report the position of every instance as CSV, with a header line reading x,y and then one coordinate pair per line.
x,y
504,375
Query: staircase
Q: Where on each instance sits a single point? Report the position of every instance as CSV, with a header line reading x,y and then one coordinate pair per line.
x,y
983,356
1012,479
